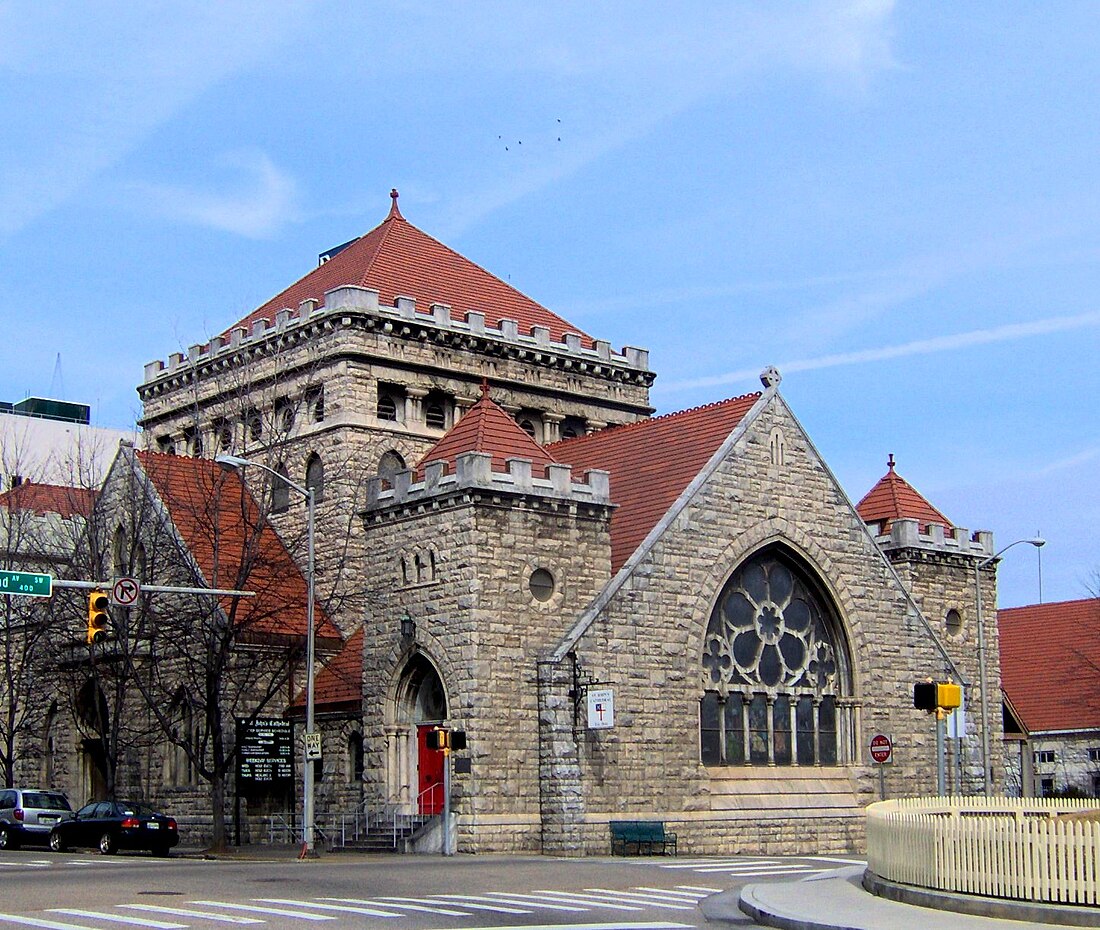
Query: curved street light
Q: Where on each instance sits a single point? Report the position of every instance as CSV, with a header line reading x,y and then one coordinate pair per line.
x,y
236,462
1038,542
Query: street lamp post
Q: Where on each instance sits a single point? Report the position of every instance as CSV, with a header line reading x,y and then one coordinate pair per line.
x,y
1037,542
235,461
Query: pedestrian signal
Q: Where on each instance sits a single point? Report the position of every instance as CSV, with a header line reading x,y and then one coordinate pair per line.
x,y
936,695
99,620
438,739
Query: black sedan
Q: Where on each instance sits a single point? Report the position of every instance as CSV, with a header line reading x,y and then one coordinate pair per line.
x,y
113,825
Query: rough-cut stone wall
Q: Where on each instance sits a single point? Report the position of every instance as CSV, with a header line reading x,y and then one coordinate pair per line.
x,y
942,582
482,628
647,644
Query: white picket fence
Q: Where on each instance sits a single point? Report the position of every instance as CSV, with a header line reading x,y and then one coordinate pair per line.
x,y
1021,848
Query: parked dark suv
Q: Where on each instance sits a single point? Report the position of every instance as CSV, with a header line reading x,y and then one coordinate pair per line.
x,y
27,815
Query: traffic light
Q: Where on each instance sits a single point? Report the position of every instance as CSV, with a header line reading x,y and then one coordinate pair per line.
x,y
936,695
99,620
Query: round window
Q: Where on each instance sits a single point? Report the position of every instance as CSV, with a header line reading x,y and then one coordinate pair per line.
x,y
954,622
541,584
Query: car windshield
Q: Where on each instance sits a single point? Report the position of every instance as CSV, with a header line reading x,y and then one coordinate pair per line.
x,y
43,801
127,809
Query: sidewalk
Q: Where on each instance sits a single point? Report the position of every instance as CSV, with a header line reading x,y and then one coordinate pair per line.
x,y
838,901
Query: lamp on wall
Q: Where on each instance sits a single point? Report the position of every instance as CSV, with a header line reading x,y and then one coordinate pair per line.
x,y
408,627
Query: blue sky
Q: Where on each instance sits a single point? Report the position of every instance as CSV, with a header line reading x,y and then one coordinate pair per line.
x,y
896,204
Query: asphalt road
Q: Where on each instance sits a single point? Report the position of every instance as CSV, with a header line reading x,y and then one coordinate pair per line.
x,y
88,891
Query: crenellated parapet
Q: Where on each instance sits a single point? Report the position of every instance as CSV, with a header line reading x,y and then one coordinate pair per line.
x,y
473,474
350,306
936,538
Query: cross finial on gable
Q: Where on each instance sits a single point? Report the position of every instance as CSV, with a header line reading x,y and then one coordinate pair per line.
x,y
484,387
395,211
890,461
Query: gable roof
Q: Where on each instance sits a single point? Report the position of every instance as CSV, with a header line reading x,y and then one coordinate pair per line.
x,y
340,681
398,260
894,498
651,462
49,498
217,519
1050,663
486,427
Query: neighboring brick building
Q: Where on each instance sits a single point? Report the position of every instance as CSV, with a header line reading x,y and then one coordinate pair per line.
x,y
505,531
1050,672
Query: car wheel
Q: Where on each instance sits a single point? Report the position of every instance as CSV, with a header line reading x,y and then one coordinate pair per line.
x,y
107,844
57,844
8,840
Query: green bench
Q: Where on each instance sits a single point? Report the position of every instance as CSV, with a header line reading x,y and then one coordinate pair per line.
x,y
640,838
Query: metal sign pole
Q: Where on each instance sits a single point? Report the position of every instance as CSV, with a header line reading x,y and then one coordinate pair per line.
x,y
941,773
446,802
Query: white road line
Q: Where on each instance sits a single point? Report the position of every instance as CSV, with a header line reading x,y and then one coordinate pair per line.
x,y
347,908
763,870
117,918
832,859
525,900
279,912
691,895
618,925
403,904
462,900
703,863
701,888
30,864
591,900
38,922
635,898
188,912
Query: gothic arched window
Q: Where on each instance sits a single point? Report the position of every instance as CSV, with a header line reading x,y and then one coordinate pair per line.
x,y
315,477
775,668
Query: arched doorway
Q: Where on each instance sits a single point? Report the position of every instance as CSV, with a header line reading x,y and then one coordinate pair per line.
x,y
414,772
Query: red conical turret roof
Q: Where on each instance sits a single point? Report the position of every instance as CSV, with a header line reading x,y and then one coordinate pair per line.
x,y
486,427
894,498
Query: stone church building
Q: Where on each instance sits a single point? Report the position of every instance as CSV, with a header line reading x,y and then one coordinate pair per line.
x,y
680,617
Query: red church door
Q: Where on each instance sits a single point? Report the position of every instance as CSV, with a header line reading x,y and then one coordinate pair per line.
x,y
430,771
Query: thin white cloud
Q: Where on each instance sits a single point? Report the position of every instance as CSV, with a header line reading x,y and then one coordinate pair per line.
x,y
84,84
257,205
949,343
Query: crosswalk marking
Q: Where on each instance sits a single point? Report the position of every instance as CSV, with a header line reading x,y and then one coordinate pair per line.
x,y
520,901
38,922
346,908
702,888
255,908
463,900
635,898
693,895
591,900
188,912
26,864
618,925
834,859
404,904
118,918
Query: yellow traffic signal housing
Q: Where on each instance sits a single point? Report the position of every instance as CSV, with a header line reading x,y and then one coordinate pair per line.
x,y
99,620
948,695
438,739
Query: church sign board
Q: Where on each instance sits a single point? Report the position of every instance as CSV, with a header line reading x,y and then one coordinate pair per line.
x,y
601,709
265,750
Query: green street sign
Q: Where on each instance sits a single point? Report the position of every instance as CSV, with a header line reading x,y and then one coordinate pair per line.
x,y
31,584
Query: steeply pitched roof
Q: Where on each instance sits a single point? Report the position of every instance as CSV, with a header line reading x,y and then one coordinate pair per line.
x,y
216,517
49,498
894,498
485,427
1050,663
340,681
651,462
399,260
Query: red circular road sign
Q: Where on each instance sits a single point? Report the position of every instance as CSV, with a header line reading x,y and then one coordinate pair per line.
x,y
881,748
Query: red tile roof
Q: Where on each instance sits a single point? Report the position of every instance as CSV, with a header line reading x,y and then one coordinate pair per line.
x,y
651,462
1050,664
894,498
340,681
216,516
49,498
486,427
398,260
